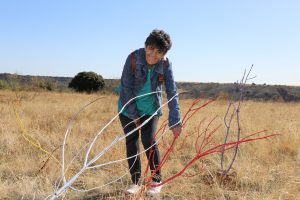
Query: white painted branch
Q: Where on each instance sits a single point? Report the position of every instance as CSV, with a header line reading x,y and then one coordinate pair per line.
x,y
86,165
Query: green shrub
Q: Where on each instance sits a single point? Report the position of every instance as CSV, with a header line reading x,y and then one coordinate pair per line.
x,y
87,82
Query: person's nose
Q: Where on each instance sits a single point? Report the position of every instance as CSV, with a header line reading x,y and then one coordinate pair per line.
x,y
154,55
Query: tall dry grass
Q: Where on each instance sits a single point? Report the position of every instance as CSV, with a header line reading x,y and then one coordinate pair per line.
x,y
265,169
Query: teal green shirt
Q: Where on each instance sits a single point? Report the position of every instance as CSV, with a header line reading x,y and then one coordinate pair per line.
x,y
146,105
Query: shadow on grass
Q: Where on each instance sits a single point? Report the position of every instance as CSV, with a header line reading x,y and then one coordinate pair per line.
x,y
113,195
117,195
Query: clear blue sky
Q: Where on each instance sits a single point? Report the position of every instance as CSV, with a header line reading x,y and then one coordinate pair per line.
x,y
213,41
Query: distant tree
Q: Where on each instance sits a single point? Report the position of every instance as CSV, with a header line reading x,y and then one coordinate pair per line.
x,y
286,96
3,85
15,82
87,82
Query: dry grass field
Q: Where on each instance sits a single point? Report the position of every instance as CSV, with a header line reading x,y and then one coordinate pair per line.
x,y
264,169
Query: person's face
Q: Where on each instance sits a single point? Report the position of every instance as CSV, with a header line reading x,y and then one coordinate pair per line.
x,y
153,55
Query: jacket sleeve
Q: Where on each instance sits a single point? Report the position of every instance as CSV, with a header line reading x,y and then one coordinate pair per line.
x,y
126,93
171,90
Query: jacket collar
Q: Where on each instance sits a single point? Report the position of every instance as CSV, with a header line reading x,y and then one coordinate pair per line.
x,y
141,57
159,67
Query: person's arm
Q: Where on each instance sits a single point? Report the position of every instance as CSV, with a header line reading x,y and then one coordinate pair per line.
x,y
171,90
127,84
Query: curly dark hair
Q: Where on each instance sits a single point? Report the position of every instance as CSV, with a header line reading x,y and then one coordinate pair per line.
x,y
160,40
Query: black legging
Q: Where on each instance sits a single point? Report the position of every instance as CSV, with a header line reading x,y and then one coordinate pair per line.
x,y
132,146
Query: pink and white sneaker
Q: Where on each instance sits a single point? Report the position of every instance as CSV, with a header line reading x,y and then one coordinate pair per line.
x,y
154,190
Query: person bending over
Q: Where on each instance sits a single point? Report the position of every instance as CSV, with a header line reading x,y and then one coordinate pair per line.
x,y
146,70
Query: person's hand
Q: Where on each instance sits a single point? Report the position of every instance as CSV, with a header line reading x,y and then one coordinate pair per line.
x,y
176,131
137,122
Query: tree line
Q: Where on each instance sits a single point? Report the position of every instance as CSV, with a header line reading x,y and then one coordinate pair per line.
x,y
92,82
